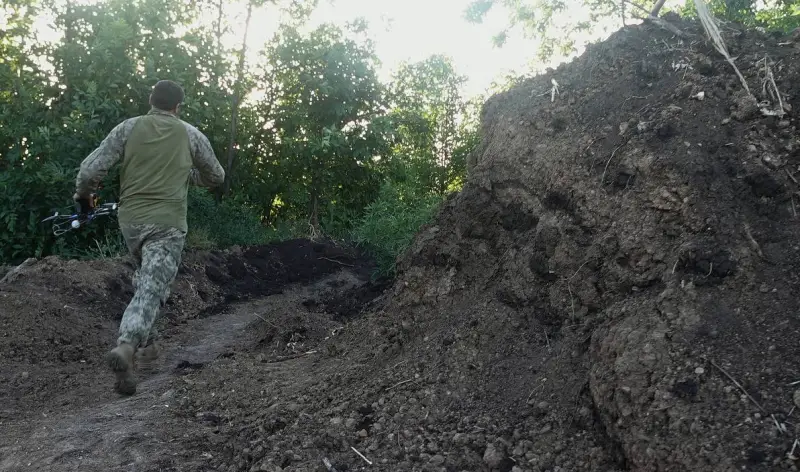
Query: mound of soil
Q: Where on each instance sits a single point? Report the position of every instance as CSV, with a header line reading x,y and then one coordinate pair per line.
x,y
58,318
614,289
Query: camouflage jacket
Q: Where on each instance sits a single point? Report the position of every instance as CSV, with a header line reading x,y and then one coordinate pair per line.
x,y
207,171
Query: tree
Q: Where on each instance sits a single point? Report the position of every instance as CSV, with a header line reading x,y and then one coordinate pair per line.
x,y
557,23
326,105
103,68
433,124
298,11
780,15
554,23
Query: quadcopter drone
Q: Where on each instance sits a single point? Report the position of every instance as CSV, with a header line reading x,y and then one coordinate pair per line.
x,y
65,223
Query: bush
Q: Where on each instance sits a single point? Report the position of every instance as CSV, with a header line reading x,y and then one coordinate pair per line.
x,y
32,193
108,246
390,223
213,225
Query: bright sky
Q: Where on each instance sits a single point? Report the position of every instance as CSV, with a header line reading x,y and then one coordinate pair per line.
x,y
411,30
415,29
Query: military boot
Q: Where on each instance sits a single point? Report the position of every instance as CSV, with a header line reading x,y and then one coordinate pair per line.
x,y
120,360
147,356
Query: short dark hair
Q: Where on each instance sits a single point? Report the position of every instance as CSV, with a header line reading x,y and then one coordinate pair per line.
x,y
166,95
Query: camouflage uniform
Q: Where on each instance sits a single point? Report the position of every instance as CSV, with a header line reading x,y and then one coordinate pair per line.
x,y
96,166
156,248
157,252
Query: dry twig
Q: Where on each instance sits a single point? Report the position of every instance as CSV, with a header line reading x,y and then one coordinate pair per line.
x,y
735,382
399,384
603,177
328,465
791,455
770,78
265,320
781,427
361,455
710,25
658,21
292,356
338,262
753,241
569,287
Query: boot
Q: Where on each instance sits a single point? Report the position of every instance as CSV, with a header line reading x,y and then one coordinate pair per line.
x,y
120,360
146,356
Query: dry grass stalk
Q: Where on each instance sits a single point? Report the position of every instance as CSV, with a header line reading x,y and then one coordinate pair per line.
x,y
710,25
769,79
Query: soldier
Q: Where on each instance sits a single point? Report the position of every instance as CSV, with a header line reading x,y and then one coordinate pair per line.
x,y
160,155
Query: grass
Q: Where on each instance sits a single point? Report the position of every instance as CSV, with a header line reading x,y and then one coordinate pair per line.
x,y
385,229
388,227
109,246
213,225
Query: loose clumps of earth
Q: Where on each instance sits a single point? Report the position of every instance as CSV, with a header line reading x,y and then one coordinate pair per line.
x,y
614,289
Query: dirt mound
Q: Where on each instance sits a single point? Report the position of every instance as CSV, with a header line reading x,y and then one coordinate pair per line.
x,y
620,255
617,252
59,317
614,289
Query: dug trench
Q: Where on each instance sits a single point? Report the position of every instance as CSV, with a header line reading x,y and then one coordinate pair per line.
x,y
614,289
58,408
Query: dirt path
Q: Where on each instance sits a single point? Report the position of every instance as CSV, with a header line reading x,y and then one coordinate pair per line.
x,y
137,433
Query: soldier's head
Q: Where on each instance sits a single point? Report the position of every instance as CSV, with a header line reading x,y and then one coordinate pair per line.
x,y
167,96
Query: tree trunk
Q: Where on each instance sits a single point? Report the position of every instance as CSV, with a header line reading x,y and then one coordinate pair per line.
x,y
267,216
314,193
219,26
237,95
657,8
69,38
218,78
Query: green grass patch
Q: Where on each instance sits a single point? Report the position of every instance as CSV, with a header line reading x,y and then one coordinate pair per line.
x,y
390,223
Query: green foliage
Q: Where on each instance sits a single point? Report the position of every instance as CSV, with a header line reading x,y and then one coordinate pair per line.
x,y
325,107
111,54
319,145
558,24
436,126
776,15
390,222
108,246
222,225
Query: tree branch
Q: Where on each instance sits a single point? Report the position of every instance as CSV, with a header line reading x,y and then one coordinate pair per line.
x,y
657,8
658,21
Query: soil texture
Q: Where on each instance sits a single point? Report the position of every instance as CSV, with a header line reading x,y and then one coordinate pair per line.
x,y
614,289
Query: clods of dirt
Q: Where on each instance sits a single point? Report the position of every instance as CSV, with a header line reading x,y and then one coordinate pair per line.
x,y
614,288
58,318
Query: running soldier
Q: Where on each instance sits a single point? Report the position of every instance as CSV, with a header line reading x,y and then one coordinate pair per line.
x,y
159,155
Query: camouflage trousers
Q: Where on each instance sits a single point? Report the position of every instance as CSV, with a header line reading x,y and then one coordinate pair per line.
x,y
157,253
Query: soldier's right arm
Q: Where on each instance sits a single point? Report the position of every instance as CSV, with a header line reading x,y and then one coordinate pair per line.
x,y
97,164
207,171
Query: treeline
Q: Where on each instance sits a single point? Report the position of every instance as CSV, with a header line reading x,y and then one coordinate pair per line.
x,y
313,142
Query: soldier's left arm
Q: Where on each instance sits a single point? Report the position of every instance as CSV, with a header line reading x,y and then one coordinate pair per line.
x,y
207,171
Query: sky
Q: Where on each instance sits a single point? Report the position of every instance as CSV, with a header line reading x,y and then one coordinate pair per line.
x,y
411,30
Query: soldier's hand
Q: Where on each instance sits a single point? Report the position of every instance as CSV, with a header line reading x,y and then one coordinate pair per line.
x,y
85,204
